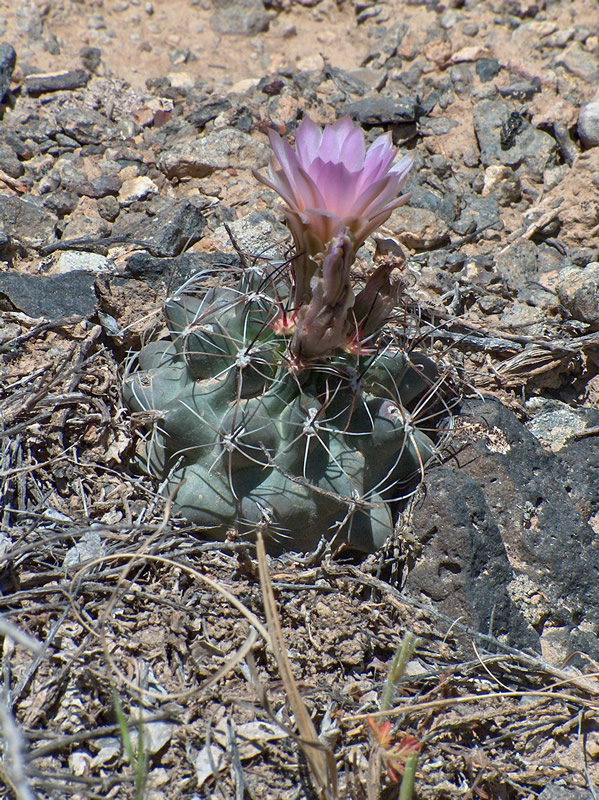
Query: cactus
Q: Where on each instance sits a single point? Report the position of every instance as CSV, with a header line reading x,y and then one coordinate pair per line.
x,y
276,403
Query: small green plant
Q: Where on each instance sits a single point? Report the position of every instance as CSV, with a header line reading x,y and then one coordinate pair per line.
x,y
400,755
137,756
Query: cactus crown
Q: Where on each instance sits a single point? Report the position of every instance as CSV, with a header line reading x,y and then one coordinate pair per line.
x,y
277,404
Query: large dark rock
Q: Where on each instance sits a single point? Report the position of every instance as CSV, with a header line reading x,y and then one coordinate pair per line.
x,y
177,225
399,115
443,204
588,123
578,290
176,271
580,458
9,162
506,137
463,568
200,156
85,125
478,213
506,542
27,225
203,112
382,110
49,296
557,791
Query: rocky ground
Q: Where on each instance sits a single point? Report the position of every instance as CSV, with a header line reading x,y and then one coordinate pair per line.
x,y
127,140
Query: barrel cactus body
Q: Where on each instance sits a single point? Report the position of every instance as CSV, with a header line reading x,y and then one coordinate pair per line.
x,y
254,439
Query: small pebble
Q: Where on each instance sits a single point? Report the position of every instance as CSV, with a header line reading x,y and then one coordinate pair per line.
x,y
588,123
470,29
578,290
487,69
96,22
448,19
504,184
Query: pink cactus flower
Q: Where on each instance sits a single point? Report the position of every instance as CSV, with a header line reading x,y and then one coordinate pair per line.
x,y
332,187
331,181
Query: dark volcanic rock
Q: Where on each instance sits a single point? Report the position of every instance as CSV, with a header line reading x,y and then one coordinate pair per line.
x,y
16,143
49,296
521,90
101,186
463,568
443,204
8,59
518,264
462,78
86,226
61,203
27,224
177,270
578,290
177,225
39,83
108,207
418,228
382,110
220,149
502,529
202,113
86,126
581,460
588,123
487,69
523,262
348,82
579,62
557,791
399,115
9,162
506,137
91,58
478,214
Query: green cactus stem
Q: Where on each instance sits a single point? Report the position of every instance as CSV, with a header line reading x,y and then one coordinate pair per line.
x,y
249,435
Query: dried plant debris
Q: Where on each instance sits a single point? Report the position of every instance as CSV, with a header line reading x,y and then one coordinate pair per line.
x,y
139,659
136,656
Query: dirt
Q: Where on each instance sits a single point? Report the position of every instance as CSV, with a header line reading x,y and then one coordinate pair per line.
x,y
150,40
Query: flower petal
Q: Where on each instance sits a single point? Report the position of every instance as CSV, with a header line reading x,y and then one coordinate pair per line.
x,y
308,193
378,194
363,227
353,150
375,196
333,139
399,201
307,142
278,182
284,153
378,159
403,166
